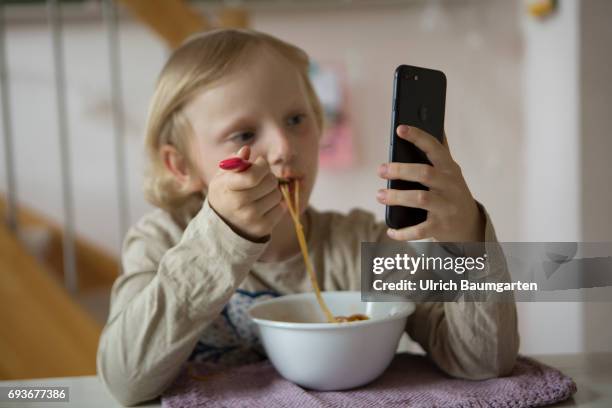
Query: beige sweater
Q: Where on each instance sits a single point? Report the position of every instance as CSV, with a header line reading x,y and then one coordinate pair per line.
x,y
188,282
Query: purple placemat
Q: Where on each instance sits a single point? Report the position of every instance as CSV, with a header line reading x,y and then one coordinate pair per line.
x,y
410,380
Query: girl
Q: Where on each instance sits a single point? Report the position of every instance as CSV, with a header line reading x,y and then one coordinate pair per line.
x,y
222,239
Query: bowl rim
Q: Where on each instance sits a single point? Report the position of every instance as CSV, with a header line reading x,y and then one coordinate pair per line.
x,y
324,326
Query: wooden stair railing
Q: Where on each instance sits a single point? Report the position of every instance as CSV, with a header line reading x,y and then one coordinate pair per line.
x,y
175,20
172,20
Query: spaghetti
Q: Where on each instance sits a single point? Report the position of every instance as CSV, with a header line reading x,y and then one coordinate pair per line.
x,y
294,208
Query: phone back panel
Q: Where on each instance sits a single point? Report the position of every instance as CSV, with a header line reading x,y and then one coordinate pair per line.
x,y
419,96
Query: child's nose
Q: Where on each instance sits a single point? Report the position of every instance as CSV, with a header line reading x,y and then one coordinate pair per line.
x,y
280,149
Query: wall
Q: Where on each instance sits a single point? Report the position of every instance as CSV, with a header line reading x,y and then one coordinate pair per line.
x,y
565,159
595,126
550,197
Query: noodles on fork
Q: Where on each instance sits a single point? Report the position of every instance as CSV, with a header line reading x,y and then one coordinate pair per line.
x,y
294,211
294,208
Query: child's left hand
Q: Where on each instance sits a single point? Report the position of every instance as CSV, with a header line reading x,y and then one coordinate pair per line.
x,y
453,215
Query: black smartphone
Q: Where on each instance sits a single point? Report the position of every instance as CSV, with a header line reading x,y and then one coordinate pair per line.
x,y
419,99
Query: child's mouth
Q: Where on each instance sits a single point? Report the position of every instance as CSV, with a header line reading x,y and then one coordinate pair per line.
x,y
290,182
291,188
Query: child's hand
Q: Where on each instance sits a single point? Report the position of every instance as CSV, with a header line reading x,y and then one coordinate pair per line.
x,y
249,201
453,214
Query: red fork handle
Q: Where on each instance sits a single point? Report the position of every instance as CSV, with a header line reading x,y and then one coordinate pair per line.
x,y
234,163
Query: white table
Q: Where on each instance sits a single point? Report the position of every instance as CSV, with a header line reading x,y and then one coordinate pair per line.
x,y
85,392
592,373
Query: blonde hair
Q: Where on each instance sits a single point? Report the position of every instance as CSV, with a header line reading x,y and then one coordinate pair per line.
x,y
200,61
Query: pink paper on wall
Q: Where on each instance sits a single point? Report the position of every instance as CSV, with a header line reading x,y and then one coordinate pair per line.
x,y
336,148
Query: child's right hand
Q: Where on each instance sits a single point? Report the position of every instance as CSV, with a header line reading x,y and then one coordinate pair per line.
x,y
250,201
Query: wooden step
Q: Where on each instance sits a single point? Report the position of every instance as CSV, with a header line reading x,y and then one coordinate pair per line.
x,y
44,332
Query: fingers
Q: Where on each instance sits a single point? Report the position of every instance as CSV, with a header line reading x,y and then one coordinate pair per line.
x,y
249,201
448,200
254,187
244,153
253,211
422,173
250,178
275,214
419,231
267,185
435,151
264,213
268,202
427,200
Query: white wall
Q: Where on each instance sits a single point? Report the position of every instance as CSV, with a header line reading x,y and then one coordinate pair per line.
x,y
566,160
550,198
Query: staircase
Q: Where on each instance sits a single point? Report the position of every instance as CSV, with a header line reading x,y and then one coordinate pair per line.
x,y
45,333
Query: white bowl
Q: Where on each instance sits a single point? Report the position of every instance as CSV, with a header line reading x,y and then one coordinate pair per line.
x,y
329,356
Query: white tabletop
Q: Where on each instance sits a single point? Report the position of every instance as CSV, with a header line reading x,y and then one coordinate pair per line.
x,y
86,392
591,372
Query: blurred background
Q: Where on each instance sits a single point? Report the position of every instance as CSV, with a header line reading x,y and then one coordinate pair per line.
x,y
528,119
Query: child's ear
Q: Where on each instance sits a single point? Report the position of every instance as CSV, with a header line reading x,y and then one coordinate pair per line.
x,y
178,165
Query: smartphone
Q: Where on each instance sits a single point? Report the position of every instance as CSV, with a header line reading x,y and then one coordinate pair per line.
x,y
419,99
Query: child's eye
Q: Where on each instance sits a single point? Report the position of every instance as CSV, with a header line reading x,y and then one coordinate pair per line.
x,y
296,119
243,137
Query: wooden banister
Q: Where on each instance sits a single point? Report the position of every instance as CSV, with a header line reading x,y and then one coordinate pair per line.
x,y
175,20
172,20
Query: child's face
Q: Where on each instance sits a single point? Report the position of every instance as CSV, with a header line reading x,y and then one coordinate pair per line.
x,y
264,105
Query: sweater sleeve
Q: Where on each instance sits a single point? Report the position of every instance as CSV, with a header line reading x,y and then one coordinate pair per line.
x,y
164,300
473,340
